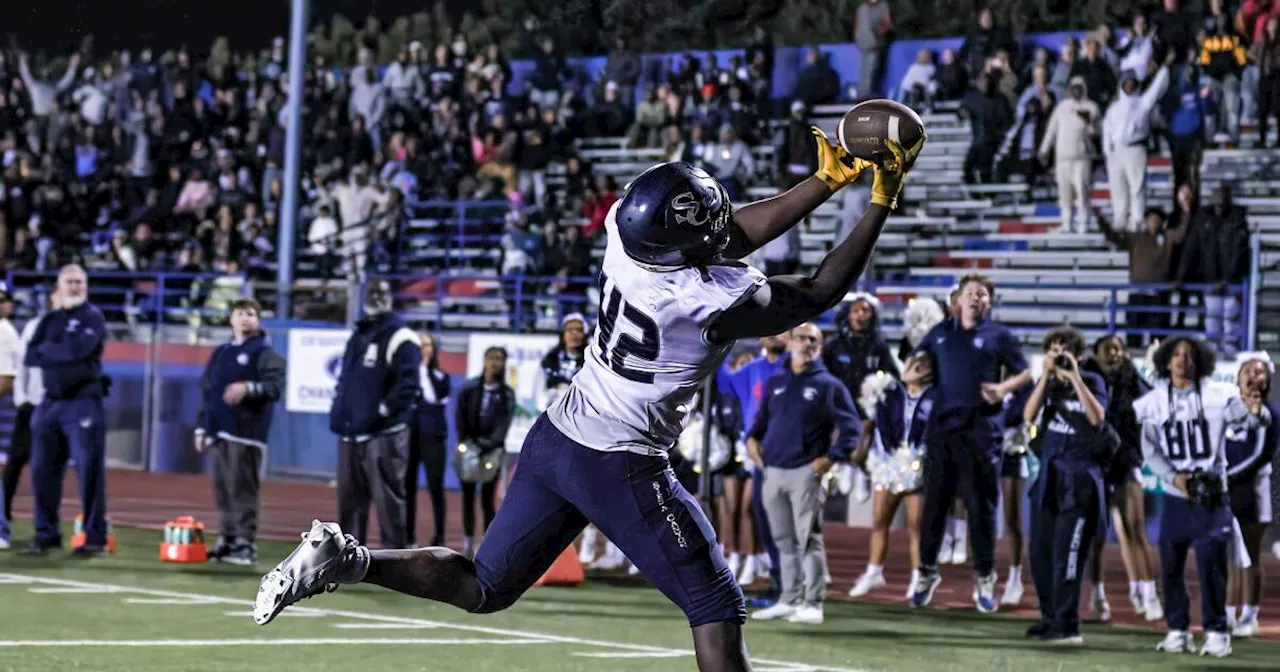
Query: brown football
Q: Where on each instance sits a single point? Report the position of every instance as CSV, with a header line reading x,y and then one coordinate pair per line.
x,y
863,129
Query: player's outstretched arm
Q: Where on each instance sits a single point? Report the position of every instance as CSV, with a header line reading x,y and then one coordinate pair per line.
x,y
762,221
789,300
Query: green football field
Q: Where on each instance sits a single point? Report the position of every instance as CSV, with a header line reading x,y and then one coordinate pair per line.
x,y
130,612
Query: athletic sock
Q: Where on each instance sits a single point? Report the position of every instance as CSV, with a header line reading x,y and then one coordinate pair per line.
x,y
1249,613
875,569
1015,574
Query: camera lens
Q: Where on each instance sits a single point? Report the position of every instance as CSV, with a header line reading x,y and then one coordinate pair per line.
x,y
1062,361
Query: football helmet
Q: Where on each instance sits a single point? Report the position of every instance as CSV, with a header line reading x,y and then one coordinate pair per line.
x,y
674,215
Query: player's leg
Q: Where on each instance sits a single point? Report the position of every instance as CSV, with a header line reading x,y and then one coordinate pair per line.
x,y
1174,545
534,526
1073,537
1044,521
807,501
939,493
639,504
777,504
1140,549
1212,561
980,486
48,467
1011,483
884,505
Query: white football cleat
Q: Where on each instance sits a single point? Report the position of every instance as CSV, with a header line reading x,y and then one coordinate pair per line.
x,y
325,559
1177,641
807,616
1216,644
1013,591
866,583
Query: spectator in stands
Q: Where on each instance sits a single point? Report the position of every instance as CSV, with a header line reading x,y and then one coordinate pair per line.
x,y
610,117
1125,132
1187,109
651,117
795,152
1217,253
404,86
741,115
1099,76
623,69
598,202
1153,251
42,94
1222,55
483,413
731,162
1061,75
1266,53
952,79
919,84
1072,127
427,437
494,153
984,42
818,83
872,28
990,116
369,102
1175,30
1031,119
1138,48
371,411
1250,23
521,245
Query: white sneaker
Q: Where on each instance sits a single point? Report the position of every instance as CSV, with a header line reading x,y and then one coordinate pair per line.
x,y
778,610
1216,644
1247,628
984,594
748,573
807,615
960,552
735,563
911,585
946,551
632,570
325,559
1012,596
587,552
4,544
1155,611
1177,641
1135,598
868,582
1100,608
1275,550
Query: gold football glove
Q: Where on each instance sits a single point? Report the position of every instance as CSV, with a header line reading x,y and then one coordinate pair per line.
x,y
892,176
836,167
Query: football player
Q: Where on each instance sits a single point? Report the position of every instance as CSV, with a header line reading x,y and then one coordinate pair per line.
x,y
674,299
1184,425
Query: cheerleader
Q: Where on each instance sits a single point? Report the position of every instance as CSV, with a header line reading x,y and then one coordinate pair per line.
x,y
1250,448
898,414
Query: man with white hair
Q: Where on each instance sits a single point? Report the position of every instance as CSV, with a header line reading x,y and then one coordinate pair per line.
x,y
67,347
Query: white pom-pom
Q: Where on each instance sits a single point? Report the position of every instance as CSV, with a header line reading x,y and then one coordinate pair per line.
x,y
872,391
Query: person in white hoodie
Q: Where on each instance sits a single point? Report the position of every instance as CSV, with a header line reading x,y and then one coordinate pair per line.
x,y
1072,126
1125,131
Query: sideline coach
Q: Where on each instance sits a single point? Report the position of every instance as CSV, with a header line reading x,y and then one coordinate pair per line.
x,y
371,415
963,449
67,347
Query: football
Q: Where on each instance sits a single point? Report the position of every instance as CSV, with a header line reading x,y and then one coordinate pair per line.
x,y
863,129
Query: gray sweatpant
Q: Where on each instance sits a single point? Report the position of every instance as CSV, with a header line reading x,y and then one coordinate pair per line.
x,y
374,471
793,501
236,488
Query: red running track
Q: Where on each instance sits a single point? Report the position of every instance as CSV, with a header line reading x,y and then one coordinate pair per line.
x,y
147,500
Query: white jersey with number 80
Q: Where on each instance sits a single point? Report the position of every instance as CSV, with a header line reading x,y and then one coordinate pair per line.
x,y
648,354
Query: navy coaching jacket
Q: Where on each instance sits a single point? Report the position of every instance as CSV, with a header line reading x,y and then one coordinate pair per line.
x,y
67,346
797,416
379,379
255,363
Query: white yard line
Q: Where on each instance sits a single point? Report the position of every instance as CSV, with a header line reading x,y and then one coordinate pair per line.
x,y
501,632
262,642
382,626
169,601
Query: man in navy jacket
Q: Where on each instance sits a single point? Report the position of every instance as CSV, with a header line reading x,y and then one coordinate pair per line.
x,y
67,347
241,384
791,439
371,415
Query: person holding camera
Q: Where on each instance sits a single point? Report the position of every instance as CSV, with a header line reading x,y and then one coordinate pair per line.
x,y
1250,449
1075,446
1184,419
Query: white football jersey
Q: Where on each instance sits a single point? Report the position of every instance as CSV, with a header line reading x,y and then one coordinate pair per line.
x,y
1191,423
648,355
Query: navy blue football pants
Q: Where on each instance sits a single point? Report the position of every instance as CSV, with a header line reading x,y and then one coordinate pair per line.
x,y
962,462
62,430
1185,526
1065,520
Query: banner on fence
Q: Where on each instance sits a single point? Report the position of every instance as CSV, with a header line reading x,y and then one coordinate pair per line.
x,y
315,359
524,375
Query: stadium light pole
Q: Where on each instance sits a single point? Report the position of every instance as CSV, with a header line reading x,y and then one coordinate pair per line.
x,y
292,158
